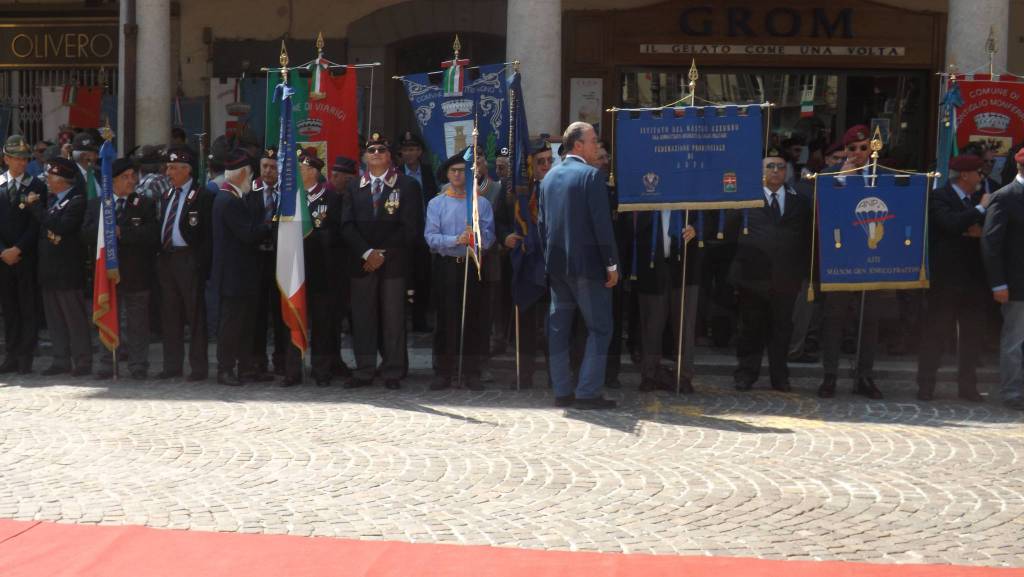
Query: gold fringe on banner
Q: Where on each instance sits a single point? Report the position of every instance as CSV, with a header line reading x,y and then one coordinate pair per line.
x,y
872,286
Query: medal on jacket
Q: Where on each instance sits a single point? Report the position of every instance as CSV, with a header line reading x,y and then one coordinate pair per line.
x,y
193,218
391,205
53,238
319,215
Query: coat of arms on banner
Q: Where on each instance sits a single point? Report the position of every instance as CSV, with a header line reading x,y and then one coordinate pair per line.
x,y
651,183
729,182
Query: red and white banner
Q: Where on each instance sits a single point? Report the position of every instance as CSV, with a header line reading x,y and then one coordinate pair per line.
x,y
330,123
992,112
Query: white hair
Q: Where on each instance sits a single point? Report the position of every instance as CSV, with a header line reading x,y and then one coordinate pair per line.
x,y
235,174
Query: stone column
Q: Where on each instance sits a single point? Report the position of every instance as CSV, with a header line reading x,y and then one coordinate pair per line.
x,y
153,81
967,32
534,37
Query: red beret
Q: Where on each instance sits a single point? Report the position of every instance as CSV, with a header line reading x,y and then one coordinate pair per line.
x,y
1019,157
965,163
855,134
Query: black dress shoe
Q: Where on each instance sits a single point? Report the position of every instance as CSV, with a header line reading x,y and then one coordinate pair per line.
x,y
1015,404
744,385
440,383
925,394
827,388
140,374
341,370
866,387
686,386
566,401
355,383
473,385
392,384
81,371
612,383
648,385
971,395
227,379
54,370
595,404
782,387
165,374
803,358
195,377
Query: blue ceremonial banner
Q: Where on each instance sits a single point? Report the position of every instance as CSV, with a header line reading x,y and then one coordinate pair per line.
x,y
446,120
872,237
689,158
108,154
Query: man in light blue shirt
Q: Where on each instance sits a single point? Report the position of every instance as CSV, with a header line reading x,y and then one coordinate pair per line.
x,y
448,235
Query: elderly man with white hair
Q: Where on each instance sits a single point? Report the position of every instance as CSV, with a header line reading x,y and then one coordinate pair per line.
x,y
238,230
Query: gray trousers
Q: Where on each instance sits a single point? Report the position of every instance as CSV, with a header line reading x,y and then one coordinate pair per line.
x,y
133,314
655,311
67,319
378,310
840,308
182,301
1011,355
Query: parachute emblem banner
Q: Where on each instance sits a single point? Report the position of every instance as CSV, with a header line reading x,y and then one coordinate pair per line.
x,y
872,237
692,157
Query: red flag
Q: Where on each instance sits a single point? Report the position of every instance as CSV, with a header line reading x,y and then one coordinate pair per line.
x,y
331,122
85,107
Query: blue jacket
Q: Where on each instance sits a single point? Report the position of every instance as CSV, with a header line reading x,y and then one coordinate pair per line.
x,y
575,222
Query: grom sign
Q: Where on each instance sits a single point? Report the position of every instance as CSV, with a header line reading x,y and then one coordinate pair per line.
x,y
58,43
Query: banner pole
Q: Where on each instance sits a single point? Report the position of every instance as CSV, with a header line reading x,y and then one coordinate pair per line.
x,y
860,333
682,305
462,332
114,353
517,348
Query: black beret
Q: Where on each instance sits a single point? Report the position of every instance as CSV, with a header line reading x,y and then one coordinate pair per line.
x,y
410,139
236,159
120,165
376,139
540,144
773,152
344,164
62,167
457,158
180,154
309,158
270,153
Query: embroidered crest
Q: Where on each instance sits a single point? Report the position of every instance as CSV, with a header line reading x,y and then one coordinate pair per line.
x,y
393,201
729,182
651,182
193,218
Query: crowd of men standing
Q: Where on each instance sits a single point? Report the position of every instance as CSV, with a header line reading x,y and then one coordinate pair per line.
x,y
390,236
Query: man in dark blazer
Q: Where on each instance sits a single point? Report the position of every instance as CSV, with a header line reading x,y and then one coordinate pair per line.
x,y
958,294
582,266
138,238
238,231
412,165
183,265
381,221
264,198
61,270
19,234
768,270
1002,247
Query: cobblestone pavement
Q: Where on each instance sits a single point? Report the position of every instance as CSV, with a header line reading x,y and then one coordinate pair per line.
x,y
720,473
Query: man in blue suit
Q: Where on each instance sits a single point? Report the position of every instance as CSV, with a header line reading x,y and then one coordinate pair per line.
x,y
582,266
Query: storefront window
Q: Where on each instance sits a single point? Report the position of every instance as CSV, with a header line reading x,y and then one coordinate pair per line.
x,y
813,108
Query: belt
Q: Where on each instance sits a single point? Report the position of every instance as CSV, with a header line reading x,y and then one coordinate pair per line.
x,y
452,259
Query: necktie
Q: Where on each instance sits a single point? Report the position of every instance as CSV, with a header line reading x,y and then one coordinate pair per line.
x,y
120,208
377,189
776,211
968,202
269,206
171,217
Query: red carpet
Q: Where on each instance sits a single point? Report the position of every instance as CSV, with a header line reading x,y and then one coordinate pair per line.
x,y
57,550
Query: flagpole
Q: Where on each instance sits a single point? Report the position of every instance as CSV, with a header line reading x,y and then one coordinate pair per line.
x,y
682,305
462,331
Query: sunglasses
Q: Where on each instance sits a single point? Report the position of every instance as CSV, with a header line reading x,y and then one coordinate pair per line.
x,y
543,161
775,166
862,148
456,170
376,149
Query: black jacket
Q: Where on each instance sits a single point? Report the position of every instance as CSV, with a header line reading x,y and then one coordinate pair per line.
x,y
1002,240
61,250
238,231
955,259
138,243
665,272
17,226
316,247
773,257
395,231
194,226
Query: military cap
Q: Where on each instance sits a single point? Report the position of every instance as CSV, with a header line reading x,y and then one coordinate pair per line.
x,y
855,134
84,142
17,147
410,139
61,167
377,139
270,153
457,158
237,158
344,164
149,154
309,158
773,152
540,144
120,165
965,163
179,154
